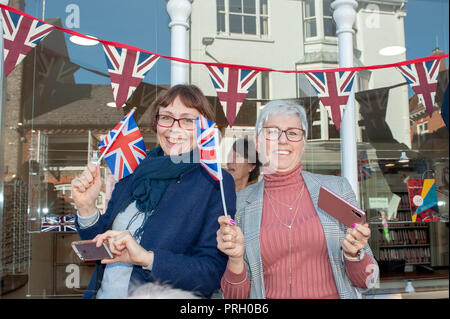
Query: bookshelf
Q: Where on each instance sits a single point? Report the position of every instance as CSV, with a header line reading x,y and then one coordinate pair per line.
x,y
409,242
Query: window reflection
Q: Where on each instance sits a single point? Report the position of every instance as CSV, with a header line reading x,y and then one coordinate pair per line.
x,y
56,106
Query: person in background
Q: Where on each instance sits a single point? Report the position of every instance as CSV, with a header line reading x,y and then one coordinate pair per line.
x,y
243,163
282,245
161,221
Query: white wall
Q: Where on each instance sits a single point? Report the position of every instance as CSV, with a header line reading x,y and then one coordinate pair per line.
x,y
280,50
374,33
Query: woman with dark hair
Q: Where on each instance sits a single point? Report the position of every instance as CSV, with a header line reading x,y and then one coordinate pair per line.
x,y
243,163
160,223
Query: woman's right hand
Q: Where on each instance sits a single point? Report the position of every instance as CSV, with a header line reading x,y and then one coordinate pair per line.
x,y
230,240
86,188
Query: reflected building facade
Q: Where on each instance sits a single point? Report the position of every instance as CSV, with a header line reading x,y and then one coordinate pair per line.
x,y
53,123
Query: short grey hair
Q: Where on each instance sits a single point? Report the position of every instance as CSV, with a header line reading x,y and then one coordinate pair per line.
x,y
285,107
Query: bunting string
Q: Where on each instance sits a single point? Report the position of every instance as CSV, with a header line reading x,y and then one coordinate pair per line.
x,y
226,65
128,65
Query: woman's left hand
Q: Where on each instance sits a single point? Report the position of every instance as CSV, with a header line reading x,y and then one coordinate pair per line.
x,y
355,239
124,248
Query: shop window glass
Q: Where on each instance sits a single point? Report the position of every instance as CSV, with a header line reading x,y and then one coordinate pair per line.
x,y
56,106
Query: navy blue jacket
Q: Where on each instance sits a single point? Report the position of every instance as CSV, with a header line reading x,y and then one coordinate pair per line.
x,y
181,232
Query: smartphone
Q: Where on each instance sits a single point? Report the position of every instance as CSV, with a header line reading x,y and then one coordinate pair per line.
x,y
87,251
339,208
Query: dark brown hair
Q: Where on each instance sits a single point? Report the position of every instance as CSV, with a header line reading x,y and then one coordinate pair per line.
x,y
250,154
190,95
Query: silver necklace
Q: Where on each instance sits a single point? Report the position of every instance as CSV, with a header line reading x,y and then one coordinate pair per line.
x,y
284,204
290,235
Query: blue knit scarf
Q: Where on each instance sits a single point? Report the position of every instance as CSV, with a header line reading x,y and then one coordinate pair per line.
x,y
153,176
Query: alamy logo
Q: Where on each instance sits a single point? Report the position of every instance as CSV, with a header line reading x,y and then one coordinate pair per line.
x,y
373,19
73,277
73,17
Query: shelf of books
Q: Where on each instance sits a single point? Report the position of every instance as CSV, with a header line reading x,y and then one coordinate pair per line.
x,y
408,242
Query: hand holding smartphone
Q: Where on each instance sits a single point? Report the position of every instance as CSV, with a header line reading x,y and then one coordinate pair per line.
x,y
87,251
339,208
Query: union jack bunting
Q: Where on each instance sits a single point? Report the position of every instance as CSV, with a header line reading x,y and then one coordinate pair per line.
x,y
208,146
55,223
50,223
68,223
333,90
127,69
127,149
232,86
20,35
364,171
422,77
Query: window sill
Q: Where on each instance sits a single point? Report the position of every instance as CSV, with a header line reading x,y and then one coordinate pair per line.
x,y
243,38
317,40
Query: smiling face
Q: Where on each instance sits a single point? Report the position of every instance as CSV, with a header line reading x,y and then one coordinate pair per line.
x,y
280,155
175,140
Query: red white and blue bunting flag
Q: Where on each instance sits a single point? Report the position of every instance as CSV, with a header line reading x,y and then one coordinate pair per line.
x,y
333,90
56,223
128,66
20,35
422,77
232,86
127,69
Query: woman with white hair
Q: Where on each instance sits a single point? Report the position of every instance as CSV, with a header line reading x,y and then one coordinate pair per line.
x,y
282,245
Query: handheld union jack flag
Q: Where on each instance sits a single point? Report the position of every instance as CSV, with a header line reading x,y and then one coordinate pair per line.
x,y
333,90
209,152
208,146
20,35
123,148
364,171
127,69
232,86
422,77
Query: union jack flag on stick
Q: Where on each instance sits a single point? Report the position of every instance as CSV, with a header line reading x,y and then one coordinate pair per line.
x,y
123,148
127,69
20,35
333,90
209,151
232,86
423,78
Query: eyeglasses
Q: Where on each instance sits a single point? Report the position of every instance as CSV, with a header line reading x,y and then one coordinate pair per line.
x,y
292,134
167,121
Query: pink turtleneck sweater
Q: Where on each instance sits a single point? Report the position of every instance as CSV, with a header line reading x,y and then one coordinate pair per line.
x,y
298,255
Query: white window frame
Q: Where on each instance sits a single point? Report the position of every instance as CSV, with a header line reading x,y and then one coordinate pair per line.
x,y
421,128
320,22
305,19
323,23
259,86
257,16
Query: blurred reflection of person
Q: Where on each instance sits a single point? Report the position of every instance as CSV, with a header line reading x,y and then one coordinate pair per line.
x,y
243,164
